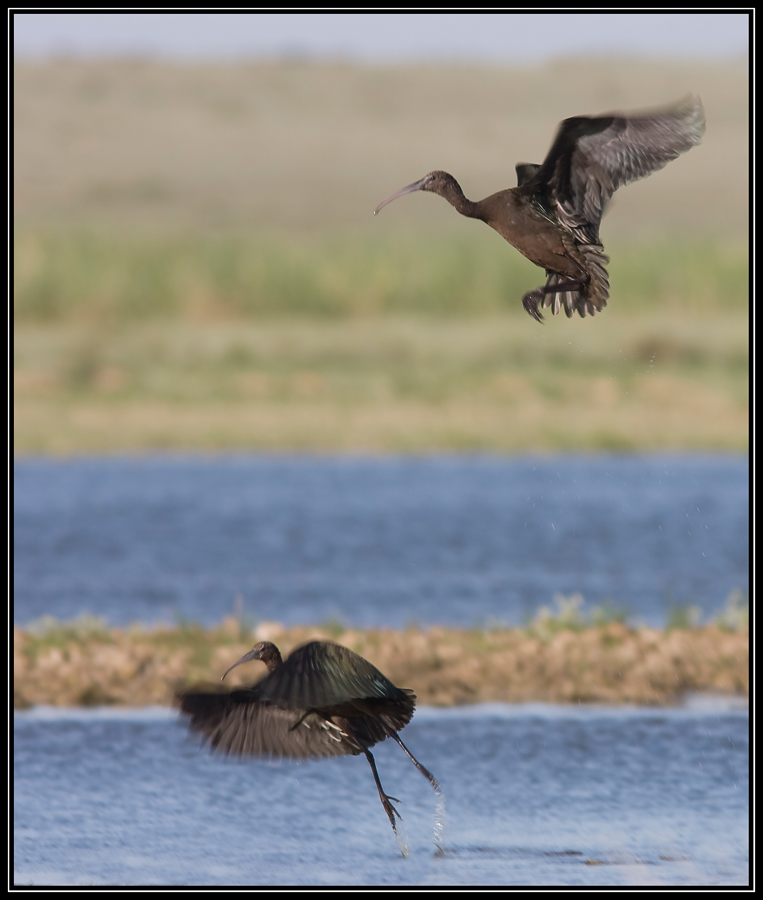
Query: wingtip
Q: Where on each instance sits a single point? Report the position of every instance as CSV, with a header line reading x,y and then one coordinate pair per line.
x,y
693,114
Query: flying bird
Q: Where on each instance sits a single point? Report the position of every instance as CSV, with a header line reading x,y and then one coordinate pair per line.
x,y
324,700
553,215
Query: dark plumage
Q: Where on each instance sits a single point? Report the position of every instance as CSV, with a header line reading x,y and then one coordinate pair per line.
x,y
324,700
552,217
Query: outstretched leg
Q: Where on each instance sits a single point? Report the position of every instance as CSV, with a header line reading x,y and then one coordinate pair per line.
x,y
432,780
531,299
385,798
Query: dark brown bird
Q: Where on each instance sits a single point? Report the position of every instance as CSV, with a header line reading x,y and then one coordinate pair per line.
x,y
553,216
323,701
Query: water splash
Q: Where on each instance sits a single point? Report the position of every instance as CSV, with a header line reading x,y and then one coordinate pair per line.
x,y
438,832
401,840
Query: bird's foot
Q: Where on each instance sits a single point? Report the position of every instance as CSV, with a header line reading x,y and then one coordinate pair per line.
x,y
390,810
530,302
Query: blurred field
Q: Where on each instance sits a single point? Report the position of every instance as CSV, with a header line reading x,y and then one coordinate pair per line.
x,y
387,384
316,146
197,265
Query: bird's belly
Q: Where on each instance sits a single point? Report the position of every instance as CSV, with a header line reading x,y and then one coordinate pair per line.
x,y
548,252
539,241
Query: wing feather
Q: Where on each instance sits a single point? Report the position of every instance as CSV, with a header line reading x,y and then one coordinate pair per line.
x,y
592,157
321,675
324,700
239,724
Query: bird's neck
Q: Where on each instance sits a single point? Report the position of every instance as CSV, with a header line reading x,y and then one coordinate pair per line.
x,y
451,191
272,659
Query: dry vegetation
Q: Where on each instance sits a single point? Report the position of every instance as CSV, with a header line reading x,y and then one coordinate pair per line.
x,y
392,384
316,146
553,660
197,265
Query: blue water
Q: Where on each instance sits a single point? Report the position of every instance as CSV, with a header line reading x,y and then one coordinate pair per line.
x,y
376,541
534,795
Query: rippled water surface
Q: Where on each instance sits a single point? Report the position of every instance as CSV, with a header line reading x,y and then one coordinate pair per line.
x,y
376,541
533,795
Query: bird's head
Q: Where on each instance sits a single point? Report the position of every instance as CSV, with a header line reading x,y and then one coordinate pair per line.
x,y
434,181
265,651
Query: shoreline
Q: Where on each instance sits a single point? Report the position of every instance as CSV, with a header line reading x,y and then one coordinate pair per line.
x,y
85,663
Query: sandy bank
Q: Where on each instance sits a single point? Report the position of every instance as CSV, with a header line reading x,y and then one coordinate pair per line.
x,y
86,663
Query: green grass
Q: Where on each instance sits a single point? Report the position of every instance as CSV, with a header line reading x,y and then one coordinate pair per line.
x,y
63,275
244,341
569,615
391,383
405,358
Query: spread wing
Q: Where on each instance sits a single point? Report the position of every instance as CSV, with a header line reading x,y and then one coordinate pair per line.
x,y
324,700
323,675
241,725
592,157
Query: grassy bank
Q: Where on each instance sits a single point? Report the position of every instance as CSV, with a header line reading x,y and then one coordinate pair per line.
x,y
494,383
253,342
197,265
102,276
552,660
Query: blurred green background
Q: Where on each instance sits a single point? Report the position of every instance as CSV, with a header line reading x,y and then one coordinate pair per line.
x,y
197,265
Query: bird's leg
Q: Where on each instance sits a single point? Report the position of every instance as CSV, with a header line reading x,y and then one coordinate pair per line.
x,y
302,718
564,286
531,299
530,302
385,798
432,780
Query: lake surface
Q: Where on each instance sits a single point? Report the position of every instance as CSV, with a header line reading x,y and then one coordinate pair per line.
x,y
368,541
533,795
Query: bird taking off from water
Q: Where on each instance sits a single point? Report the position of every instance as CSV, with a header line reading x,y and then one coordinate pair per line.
x,y
324,700
552,217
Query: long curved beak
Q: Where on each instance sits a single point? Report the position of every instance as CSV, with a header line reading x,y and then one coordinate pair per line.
x,y
245,658
408,189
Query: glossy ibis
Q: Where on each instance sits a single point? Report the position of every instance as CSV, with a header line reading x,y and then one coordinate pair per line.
x,y
324,700
552,217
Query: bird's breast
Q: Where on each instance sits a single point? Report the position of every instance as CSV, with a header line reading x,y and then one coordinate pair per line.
x,y
536,237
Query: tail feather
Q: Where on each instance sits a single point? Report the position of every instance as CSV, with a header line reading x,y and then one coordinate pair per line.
x,y
587,300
